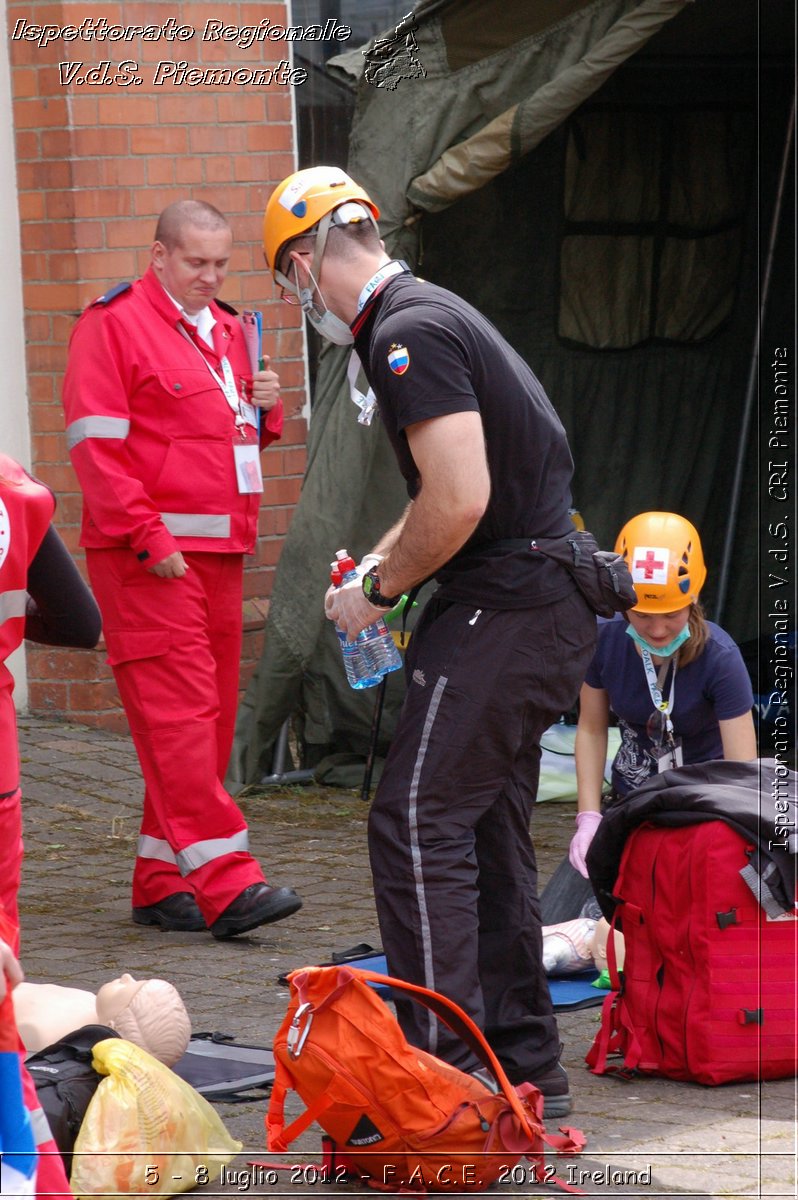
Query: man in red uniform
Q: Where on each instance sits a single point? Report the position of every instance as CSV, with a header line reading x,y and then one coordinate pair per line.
x,y
165,421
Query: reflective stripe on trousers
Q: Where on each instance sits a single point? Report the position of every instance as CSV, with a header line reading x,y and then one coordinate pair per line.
x,y
195,856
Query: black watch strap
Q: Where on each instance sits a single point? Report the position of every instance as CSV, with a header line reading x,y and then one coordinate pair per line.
x,y
371,590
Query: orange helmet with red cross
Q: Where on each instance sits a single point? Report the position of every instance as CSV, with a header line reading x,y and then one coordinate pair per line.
x,y
663,553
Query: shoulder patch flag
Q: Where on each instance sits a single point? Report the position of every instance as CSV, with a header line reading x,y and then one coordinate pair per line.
x,y
398,358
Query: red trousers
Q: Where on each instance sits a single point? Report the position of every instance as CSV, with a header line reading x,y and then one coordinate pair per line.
x,y
175,648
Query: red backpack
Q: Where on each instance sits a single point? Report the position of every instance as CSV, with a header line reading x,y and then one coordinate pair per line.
x,y
708,987
398,1117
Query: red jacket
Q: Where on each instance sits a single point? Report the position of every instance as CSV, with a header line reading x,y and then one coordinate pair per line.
x,y
150,431
26,507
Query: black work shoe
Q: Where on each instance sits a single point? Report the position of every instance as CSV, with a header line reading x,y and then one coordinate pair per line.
x,y
259,904
175,913
554,1088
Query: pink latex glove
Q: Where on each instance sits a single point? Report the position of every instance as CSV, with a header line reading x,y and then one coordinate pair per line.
x,y
586,825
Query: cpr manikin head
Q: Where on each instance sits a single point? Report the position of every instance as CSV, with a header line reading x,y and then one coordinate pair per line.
x,y
598,946
149,1013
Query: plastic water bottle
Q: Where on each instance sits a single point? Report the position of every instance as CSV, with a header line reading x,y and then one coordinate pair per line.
x,y
358,671
377,646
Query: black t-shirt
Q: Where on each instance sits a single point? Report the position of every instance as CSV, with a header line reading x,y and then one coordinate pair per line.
x,y
427,353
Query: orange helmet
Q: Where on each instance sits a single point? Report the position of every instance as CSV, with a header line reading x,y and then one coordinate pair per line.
x,y
303,199
663,553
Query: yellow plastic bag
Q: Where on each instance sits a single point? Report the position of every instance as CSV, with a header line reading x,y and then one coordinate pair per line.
x,y
146,1131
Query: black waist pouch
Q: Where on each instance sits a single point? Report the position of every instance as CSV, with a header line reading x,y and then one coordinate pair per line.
x,y
602,576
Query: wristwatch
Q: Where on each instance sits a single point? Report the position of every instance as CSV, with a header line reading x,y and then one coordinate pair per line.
x,y
371,590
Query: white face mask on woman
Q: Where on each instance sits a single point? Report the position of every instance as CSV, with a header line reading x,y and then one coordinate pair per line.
x,y
659,651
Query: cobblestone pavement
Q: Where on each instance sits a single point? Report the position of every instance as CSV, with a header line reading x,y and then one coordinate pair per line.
x,y
81,793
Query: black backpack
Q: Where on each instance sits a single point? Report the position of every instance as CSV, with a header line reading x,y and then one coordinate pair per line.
x,y
65,1083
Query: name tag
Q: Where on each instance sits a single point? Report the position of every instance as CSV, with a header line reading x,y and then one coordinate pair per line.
x,y
670,756
249,413
248,472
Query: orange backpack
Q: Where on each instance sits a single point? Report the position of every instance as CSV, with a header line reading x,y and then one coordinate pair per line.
x,y
398,1117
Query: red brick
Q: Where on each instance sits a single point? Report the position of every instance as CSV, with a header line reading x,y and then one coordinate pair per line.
x,y
129,233
84,110
37,327
40,113
281,491
59,478
278,106
127,110
88,143
27,145
105,202
189,170
268,137
47,698
166,140
57,206
89,235
47,236
87,173
35,176
26,82
48,297
90,696
160,170
124,172
40,390
240,106
46,357
56,143
218,168
149,201
187,107
221,139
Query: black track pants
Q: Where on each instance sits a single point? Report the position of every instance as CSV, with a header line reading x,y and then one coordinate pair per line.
x,y
454,869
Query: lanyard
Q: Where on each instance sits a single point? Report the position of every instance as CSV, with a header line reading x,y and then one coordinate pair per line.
x,y
392,268
655,683
367,403
226,380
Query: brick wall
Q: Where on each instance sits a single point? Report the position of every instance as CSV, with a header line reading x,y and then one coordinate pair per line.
x,y
96,164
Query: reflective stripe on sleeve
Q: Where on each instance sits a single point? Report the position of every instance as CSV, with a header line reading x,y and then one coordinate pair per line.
x,y
196,856
13,604
42,1134
209,525
150,847
96,427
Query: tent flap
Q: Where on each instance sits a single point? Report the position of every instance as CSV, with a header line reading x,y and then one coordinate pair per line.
x,y
472,163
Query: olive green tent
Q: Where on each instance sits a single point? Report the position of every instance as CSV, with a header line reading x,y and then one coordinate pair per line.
x,y
592,175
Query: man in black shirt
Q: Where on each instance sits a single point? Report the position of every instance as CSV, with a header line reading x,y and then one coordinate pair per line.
x,y
501,648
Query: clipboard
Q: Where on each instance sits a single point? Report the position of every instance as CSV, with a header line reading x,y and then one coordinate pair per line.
x,y
252,321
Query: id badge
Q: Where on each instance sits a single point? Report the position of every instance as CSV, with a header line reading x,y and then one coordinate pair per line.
x,y
248,472
670,756
249,413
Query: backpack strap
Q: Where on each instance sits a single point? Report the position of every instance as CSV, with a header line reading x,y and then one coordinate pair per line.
x,y
461,1024
278,1135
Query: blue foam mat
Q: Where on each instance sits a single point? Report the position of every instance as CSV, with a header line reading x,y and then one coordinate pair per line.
x,y
567,992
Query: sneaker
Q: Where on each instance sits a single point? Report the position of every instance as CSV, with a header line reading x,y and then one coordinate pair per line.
x,y
485,1077
553,1086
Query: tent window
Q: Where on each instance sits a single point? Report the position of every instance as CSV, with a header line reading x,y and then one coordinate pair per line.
x,y
653,234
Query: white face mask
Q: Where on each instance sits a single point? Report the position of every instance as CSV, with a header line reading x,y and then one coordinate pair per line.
x,y
327,324
660,651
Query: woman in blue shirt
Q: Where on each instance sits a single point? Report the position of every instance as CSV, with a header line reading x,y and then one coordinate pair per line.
x,y
676,681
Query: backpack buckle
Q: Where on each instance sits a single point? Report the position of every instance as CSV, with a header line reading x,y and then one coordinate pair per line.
x,y
297,1034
